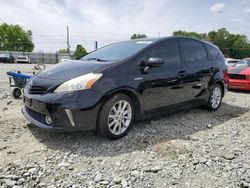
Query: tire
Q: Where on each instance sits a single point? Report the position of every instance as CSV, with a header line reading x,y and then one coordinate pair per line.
x,y
110,124
215,98
16,93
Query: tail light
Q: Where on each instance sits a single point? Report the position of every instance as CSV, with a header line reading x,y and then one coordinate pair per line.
x,y
226,76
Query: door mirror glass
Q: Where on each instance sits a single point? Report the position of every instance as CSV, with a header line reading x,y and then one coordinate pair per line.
x,y
155,62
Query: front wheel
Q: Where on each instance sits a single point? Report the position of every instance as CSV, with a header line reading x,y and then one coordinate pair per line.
x,y
215,98
16,93
116,117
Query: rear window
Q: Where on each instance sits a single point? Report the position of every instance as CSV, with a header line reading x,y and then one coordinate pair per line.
x,y
213,53
193,51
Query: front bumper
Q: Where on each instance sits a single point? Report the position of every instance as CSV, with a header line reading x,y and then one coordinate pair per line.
x,y
239,84
65,111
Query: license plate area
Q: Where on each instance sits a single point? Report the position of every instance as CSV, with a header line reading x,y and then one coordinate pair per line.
x,y
27,101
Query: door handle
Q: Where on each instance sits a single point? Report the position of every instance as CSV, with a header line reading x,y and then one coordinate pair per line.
x,y
182,74
212,69
197,86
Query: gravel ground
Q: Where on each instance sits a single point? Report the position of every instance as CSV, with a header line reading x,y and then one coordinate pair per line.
x,y
189,149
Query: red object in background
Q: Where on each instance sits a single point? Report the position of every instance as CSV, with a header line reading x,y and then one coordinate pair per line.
x,y
239,76
226,76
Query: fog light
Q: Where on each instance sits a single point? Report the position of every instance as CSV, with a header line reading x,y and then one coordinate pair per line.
x,y
48,120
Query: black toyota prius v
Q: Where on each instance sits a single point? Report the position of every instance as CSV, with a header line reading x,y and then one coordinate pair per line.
x,y
110,88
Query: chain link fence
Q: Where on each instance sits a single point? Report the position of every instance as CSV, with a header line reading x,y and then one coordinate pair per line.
x,y
39,57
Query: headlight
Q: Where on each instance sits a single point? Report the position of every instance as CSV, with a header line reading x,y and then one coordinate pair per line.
x,y
79,83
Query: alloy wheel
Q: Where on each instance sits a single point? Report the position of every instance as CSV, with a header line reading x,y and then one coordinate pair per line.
x,y
216,97
119,117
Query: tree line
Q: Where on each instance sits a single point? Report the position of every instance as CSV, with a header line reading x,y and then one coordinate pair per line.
x,y
232,45
15,38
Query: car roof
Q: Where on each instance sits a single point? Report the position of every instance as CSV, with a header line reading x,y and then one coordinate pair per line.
x,y
160,39
247,58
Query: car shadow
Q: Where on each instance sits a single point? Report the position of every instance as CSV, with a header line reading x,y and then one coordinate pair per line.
x,y
143,134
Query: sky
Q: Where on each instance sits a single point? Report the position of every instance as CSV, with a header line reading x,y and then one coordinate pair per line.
x,y
108,21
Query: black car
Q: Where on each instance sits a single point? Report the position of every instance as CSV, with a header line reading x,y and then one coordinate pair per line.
x,y
113,86
6,58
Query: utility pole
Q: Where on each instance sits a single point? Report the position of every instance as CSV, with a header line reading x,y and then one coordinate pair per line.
x,y
96,45
68,39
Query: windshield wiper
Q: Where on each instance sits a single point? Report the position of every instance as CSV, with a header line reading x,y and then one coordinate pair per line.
x,y
96,59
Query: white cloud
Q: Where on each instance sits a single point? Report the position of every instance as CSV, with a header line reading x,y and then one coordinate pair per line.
x,y
89,21
218,7
247,10
108,21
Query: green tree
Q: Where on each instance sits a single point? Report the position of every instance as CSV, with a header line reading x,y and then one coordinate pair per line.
x,y
190,34
15,38
232,45
62,50
138,36
79,52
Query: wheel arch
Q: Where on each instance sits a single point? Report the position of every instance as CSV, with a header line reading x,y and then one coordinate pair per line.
x,y
130,93
222,85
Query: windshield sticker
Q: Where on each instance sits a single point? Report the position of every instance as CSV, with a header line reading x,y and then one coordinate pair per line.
x,y
144,42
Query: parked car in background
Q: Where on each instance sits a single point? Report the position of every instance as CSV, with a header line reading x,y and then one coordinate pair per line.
x,y
239,75
231,62
65,58
111,87
6,58
22,59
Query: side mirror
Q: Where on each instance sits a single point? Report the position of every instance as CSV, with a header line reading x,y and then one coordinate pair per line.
x,y
155,62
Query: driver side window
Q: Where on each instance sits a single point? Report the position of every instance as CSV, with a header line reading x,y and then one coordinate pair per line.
x,y
169,51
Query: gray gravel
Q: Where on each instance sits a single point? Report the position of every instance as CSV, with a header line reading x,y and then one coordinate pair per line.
x,y
189,149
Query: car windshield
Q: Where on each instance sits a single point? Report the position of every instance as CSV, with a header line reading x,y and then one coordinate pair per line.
x,y
243,63
117,51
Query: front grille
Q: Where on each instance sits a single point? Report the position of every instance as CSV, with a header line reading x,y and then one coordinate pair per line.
x,y
37,90
237,76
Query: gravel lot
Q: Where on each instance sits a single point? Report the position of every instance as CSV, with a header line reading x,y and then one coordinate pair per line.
x,y
189,149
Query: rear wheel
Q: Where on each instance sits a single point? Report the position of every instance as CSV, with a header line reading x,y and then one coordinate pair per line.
x,y
215,98
116,117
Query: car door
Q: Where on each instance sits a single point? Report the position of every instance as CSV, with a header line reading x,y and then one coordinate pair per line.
x,y
199,69
162,86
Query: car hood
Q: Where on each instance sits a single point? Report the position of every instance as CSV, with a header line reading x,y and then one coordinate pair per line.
x,y
71,68
239,70
56,75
